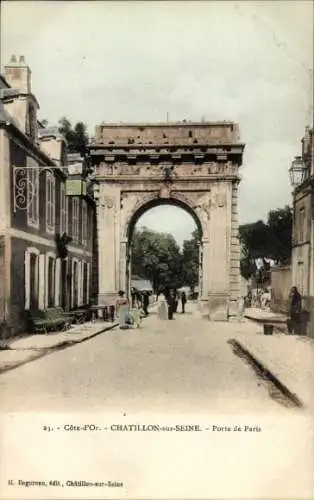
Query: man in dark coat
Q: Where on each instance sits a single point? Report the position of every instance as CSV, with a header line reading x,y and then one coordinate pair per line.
x,y
145,302
183,301
294,324
170,301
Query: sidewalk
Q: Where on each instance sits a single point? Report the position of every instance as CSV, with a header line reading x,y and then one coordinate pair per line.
x,y
263,316
28,348
289,358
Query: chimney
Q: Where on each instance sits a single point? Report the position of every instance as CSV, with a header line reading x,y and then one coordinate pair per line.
x,y
18,74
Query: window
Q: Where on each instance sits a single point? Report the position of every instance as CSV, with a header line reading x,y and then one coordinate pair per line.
x,y
63,210
33,282
31,278
67,208
51,282
301,225
84,222
75,285
90,225
50,202
75,218
31,122
85,283
33,197
63,298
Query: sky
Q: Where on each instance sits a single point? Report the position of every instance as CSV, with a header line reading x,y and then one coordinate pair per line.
x,y
250,62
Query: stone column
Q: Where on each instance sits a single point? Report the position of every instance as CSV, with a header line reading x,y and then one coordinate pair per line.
x,y
218,261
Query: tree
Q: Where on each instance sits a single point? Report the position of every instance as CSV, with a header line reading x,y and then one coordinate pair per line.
x,y
190,258
280,234
272,240
156,257
77,137
254,240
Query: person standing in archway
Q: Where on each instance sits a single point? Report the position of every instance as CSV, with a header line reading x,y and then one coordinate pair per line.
x,y
122,309
133,296
176,300
145,303
183,301
171,303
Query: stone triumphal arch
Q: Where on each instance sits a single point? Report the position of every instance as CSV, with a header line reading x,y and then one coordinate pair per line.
x,y
191,165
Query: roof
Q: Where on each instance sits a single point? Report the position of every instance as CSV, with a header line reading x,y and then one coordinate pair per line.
x,y
5,117
10,123
50,132
183,123
141,285
3,82
75,158
8,93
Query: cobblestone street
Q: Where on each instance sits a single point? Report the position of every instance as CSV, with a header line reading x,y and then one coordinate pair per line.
x,y
176,365
168,372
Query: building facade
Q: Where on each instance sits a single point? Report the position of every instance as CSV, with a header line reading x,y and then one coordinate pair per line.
x,y
303,231
46,226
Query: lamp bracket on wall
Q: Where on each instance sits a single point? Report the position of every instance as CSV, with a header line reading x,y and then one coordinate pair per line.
x,y
24,189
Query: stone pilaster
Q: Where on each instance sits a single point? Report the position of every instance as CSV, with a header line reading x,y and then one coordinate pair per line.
x,y
107,272
234,256
204,276
123,285
219,254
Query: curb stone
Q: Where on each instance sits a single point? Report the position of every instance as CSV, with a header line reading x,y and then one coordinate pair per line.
x,y
265,372
40,353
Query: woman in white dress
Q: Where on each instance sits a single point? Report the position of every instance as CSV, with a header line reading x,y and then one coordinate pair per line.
x,y
163,309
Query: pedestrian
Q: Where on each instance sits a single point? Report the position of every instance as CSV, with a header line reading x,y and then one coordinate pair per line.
x,y
163,309
171,304
183,301
294,324
138,299
133,296
241,306
122,309
145,303
135,318
176,300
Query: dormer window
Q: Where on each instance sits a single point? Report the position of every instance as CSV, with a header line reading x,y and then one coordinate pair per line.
x,y
31,123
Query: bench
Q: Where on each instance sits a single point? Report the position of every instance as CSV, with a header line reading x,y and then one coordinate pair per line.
x,y
50,319
81,315
57,314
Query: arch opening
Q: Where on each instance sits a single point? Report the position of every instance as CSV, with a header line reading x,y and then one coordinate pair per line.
x,y
192,234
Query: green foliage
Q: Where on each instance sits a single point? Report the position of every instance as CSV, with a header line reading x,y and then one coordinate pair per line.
x,y
280,234
272,240
254,240
77,137
190,258
158,258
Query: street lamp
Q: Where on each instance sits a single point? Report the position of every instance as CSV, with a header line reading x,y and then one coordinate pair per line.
x,y
297,171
